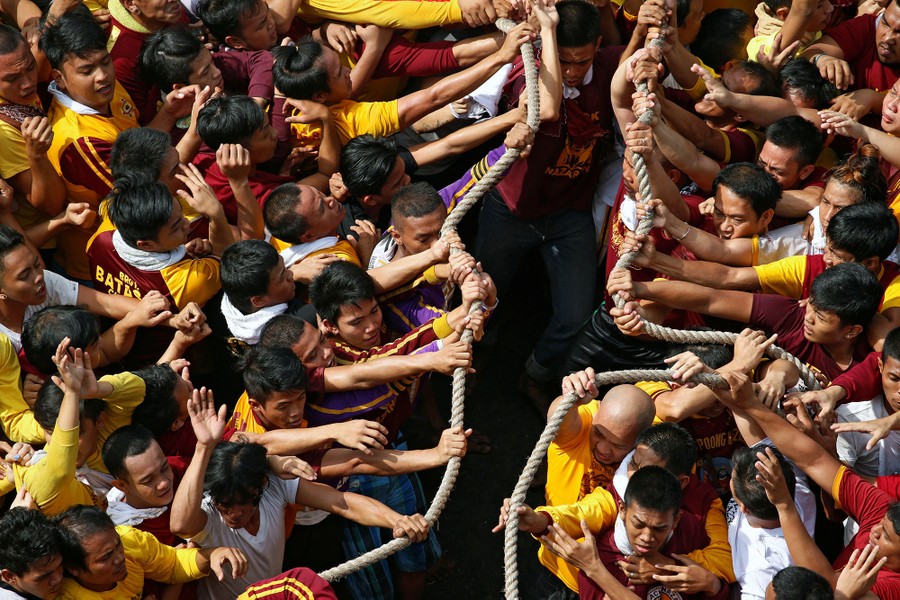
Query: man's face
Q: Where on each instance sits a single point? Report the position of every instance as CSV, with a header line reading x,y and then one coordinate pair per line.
x,y
823,327
887,34
835,197
22,280
821,17
169,169
417,234
610,441
360,324
688,30
890,110
313,348
834,256
43,578
90,80
204,71
158,14
322,213
890,381
238,515
174,233
576,62
18,76
734,217
281,285
886,539
283,410
780,163
150,482
339,83
262,144
257,28
397,180
104,556
644,457
648,530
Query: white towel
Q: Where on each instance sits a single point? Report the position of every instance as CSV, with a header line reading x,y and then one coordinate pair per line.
x,y
247,327
144,260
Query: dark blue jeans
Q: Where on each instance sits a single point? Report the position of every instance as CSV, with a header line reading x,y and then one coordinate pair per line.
x,y
568,246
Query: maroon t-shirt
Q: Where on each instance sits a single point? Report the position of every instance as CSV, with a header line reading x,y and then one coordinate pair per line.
x,y
246,72
856,38
863,381
261,183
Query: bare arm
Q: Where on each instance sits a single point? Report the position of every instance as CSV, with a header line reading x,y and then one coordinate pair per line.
x,y
724,304
682,153
464,139
683,402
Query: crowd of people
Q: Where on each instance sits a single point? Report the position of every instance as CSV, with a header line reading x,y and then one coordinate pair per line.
x,y
224,288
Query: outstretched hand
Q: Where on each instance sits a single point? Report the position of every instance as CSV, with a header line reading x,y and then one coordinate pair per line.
x,y
208,424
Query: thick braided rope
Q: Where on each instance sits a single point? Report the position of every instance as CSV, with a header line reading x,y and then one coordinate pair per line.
x,y
485,184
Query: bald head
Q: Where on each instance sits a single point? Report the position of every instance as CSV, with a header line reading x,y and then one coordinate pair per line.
x,y
622,415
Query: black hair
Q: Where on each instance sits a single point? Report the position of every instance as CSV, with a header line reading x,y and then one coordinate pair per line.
x,y
223,17
45,329
653,488
298,71
339,284
891,346
123,443
893,513
281,216
829,293
140,212
237,473
766,83
10,239
748,490
76,524
673,443
722,37
579,24
160,409
10,39
713,356
774,5
245,271
366,164
416,200
167,57
862,173
798,134
752,184
75,33
864,230
26,536
49,399
269,370
230,120
282,331
799,583
137,156
803,79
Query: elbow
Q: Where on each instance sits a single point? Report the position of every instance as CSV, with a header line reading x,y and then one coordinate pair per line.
x,y
549,114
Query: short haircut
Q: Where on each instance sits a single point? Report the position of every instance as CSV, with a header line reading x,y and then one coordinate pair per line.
x,y
76,524
282,331
798,134
10,239
673,443
748,489
269,370
339,284
713,356
829,293
721,37
862,172
140,212
799,583
167,57
298,71
891,347
123,443
137,156
230,120
26,536
246,267
49,400
45,329
864,230
765,83
579,24
416,200
223,17
159,410
237,473
366,164
682,10
776,4
10,40
653,488
803,79
73,34
281,216
751,183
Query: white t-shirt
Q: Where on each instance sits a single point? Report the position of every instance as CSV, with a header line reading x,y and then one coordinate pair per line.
x,y
884,459
265,550
60,292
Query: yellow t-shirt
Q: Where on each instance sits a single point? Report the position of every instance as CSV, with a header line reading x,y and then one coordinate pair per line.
x,y
397,14
352,119
783,277
242,418
16,417
765,43
145,558
128,393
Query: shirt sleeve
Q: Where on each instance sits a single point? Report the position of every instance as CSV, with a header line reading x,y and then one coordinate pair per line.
x,y
585,416
160,562
13,159
16,417
259,66
862,381
403,58
60,290
783,277
597,508
864,502
85,162
774,314
128,392
891,295
853,36
48,479
193,281
397,14
716,556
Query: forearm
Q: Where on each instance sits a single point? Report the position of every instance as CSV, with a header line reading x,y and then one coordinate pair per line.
x,y
116,342
549,76
366,375
398,14
48,191
683,402
765,110
692,127
887,145
469,51
341,462
685,156
795,25
709,274
292,442
803,550
463,139
397,272
665,189
163,121
40,233
597,572
796,204
365,67
680,60
187,517
329,159
825,45
249,215
781,371
609,30
697,298
111,306
188,145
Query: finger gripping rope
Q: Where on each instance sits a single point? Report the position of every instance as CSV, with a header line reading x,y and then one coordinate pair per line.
x,y
485,184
